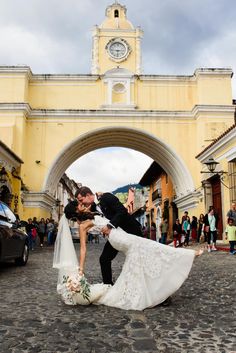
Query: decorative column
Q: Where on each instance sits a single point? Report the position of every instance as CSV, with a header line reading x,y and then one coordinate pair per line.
x,y
139,34
207,194
95,56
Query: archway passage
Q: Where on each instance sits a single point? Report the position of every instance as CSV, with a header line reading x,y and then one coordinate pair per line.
x,y
135,139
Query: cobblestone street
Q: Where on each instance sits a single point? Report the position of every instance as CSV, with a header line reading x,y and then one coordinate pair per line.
x,y
200,319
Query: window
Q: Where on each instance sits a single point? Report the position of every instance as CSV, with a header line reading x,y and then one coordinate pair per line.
x,y
116,13
119,88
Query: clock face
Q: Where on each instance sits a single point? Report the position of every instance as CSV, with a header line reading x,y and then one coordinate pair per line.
x,y
117,50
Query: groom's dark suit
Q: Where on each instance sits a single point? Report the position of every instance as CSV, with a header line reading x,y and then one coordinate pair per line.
x,y
118,216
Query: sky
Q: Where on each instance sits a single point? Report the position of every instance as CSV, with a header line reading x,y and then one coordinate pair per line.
x,y
111,173
54,36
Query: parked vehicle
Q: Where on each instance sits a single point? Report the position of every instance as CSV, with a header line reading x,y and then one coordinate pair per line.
x,y
14,244
75,234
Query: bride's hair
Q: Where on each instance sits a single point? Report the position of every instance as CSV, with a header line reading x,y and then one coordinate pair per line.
x,y
83,216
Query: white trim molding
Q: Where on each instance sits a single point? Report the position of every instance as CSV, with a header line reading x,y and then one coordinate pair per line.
x,y
38,200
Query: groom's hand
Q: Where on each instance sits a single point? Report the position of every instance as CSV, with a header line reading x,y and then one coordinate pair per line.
x,y
106,230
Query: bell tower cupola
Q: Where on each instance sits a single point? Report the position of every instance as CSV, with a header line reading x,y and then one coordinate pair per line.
x,y
116,42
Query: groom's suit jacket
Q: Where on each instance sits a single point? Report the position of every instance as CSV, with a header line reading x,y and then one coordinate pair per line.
x,y
117,214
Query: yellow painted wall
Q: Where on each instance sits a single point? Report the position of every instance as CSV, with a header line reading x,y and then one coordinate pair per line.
x,y
157,94
13,87
68,94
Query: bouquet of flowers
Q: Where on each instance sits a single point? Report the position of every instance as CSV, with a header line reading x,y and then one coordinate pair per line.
x,y
77,284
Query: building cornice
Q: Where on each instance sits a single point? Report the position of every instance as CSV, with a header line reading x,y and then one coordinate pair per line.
x,y
8,158
217,146
20,108
114,112
214,71
38,200
21,69
65,77
196,74
16,70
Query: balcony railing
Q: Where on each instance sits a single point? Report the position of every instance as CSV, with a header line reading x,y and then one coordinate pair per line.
x,y
156,195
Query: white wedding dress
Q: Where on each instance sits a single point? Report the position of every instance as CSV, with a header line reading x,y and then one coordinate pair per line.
x,y
150,274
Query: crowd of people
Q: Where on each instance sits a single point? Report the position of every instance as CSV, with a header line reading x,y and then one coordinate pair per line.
x,y
43,232
199,230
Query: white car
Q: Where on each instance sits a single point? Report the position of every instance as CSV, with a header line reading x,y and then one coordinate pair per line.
x,y
75,233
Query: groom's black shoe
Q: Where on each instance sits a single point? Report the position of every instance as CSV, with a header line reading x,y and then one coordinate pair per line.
x,y
166,302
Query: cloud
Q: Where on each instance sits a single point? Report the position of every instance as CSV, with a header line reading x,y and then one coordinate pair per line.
x,y
108,168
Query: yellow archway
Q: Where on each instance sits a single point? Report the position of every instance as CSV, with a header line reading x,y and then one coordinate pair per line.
x,y
130,138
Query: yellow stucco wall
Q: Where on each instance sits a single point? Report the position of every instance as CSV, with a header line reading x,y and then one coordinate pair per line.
x,y
174,94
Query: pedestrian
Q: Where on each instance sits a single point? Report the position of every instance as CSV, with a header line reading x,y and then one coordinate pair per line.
x,y
158,221
146,231
186,229
210,227
184,217
232,213
230,235
153,231
41,231
164,227
194,228
200,230
32,233
177,232
49,230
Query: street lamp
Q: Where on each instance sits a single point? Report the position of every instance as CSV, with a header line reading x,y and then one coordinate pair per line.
x,y
3,175
211,165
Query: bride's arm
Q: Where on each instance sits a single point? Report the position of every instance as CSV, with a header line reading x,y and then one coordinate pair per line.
x,y
83,229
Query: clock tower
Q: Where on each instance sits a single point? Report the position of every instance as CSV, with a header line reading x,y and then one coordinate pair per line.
x,y
116,43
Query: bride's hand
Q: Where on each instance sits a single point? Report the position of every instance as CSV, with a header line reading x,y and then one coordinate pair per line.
x,y
83,208
106,231
81,272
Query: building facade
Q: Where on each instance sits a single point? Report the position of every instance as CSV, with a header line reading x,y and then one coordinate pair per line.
x,y
11,185
49,121
219,182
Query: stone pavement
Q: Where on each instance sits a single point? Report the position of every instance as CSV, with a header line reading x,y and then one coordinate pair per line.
x,y
201,318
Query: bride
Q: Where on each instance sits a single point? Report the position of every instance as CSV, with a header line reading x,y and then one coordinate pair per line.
x,y
151,272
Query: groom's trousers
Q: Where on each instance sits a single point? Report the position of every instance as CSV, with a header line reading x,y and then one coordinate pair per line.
x,y
108,254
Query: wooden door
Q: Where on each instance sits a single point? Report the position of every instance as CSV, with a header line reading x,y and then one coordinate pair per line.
x,y
216,196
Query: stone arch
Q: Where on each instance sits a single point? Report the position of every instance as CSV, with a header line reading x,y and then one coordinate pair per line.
x,y
132,138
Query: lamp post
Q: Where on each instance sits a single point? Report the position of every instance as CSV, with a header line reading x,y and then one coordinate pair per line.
x,y
3,176
211,165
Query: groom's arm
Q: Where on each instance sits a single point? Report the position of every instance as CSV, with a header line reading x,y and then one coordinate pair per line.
x,y
116,208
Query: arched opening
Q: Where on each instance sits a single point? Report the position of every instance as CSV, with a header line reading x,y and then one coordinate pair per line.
x,y
132,138
116,13
5,195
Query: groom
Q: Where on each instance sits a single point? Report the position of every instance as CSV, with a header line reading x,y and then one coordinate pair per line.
x,y
118,216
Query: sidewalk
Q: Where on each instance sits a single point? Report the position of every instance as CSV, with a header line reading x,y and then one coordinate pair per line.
x,y
221,245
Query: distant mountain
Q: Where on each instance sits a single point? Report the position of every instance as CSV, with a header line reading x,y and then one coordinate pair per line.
x,y
125,189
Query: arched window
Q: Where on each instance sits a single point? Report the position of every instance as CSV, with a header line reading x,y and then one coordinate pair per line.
x,y
116,13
